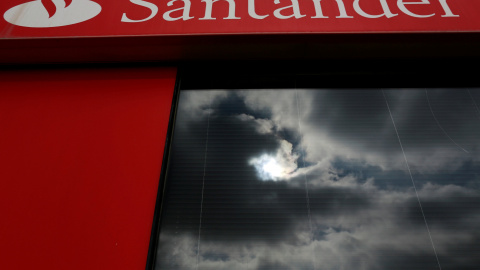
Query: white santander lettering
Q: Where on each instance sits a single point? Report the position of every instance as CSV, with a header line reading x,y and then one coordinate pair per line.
x,y
209,8
294,6
446,8
403,8
186,11
318,10
177,10
386,10
153,9
341,8
251,11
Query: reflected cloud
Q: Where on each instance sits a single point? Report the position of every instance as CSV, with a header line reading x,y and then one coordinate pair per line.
x,y
352,204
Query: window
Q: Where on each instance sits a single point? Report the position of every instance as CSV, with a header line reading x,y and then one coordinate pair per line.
x,y
323,178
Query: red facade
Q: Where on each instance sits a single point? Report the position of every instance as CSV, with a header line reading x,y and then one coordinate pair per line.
x,y
81,148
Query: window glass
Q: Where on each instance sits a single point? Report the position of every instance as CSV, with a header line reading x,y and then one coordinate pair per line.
x,y
323,179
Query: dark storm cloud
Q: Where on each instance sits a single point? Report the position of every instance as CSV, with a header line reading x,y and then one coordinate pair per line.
x,y
266,264
463,256
460,257
437,118
347,113
398,260
451,209
360,120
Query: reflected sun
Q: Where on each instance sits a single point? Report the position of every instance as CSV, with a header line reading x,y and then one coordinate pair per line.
x,y
272,168
268,168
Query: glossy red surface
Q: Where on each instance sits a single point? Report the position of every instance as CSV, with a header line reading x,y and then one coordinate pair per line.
x,y
81,152
432,16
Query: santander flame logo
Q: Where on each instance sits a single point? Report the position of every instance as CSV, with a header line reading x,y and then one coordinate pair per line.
x,y
52,13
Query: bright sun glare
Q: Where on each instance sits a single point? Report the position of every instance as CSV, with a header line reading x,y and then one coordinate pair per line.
x,y
268,168
272,168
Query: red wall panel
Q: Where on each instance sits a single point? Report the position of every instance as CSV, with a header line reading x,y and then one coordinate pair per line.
x,y
80,160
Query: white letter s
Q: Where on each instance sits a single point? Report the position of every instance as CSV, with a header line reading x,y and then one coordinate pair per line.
x,y
153,8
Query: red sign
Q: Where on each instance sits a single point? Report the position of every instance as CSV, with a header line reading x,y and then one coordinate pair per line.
x,y
80,166
100,18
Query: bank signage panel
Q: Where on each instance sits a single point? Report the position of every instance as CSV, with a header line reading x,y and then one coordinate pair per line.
x,y
97,18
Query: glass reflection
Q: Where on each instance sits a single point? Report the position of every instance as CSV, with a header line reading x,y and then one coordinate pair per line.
x,y
323,179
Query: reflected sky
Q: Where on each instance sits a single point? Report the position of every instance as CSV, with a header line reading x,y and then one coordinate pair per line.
x,y
323,179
